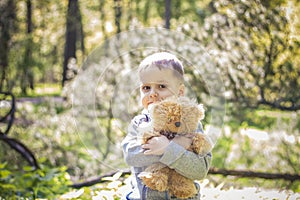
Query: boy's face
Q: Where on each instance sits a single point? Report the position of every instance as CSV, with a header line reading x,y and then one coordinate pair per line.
x,y
158,84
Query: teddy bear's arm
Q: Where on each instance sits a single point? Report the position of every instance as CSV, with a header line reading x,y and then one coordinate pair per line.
x,y
201,144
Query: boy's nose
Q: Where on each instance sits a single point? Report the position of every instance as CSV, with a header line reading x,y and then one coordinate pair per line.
x,y
153,93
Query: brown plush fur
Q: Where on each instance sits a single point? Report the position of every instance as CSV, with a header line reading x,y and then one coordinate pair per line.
x,y
170,117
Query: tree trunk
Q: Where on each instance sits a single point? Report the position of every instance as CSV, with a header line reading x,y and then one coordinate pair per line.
x,y
71,30
80,31
27,74
74,36
7,19
146,11
167,13
103,18
118,14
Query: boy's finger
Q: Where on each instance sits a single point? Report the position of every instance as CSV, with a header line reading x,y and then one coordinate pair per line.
x,y
147,152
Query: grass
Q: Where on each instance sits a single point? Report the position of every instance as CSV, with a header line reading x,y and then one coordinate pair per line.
x,y
41,90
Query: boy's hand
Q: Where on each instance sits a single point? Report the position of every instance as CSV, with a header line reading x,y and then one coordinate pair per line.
x,y
156,145
184,141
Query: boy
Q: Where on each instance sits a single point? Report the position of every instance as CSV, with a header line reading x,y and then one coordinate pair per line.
x,y
161,76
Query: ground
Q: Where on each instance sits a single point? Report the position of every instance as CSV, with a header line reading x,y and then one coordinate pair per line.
x,y
114,190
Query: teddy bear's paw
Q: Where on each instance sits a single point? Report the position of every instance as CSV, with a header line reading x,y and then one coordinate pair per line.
x,y
149,184
154,184
145,175
153,181
183,193
201,144
181,187
147,180
160,182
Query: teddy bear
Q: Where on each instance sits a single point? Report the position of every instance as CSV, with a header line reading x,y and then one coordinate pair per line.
x,y
171,117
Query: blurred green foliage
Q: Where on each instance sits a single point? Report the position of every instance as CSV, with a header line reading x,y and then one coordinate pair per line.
x,y
46,182
256,48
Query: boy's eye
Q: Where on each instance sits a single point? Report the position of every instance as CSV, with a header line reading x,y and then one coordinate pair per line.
x,y
162,86
145,87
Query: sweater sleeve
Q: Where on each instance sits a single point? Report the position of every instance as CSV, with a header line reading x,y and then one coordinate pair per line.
x,y
185,162
132,149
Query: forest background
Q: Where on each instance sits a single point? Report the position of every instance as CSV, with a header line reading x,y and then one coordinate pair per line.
x,y
66,66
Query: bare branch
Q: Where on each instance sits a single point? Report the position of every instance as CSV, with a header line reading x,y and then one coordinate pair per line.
x,y
224,172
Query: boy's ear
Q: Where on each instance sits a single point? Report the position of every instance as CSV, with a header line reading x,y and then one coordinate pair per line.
x,y
181,90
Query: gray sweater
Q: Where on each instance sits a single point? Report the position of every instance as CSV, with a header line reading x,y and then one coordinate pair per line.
x,y
176,157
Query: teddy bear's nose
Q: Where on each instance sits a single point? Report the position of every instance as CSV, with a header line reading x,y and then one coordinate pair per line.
x,y
177,124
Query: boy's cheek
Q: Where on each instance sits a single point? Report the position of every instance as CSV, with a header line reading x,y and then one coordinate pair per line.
x,y
144,102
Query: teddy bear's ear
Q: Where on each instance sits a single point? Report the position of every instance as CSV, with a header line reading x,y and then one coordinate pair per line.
x,y
201,111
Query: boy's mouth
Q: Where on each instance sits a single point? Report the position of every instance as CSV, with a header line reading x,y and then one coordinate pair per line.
x,y
153,102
